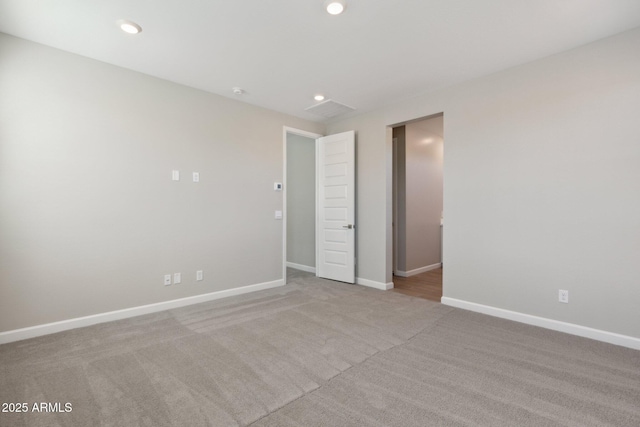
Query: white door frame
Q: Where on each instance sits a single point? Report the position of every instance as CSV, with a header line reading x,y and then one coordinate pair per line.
x,y
289,130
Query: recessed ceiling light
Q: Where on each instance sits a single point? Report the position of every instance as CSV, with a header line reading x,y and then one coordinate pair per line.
x,y
129,27
319,97
335,7
238,90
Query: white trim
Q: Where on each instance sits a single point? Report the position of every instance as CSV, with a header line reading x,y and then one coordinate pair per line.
x,y
285,214
543,322
79,322
316,224
372,284
302,267
311,135
417,270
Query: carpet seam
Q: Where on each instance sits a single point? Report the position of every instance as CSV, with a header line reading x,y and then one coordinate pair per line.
x,y
327,382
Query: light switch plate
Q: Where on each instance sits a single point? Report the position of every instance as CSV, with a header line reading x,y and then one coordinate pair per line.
x,y
277,186
196,177
177,278
278,214
175,175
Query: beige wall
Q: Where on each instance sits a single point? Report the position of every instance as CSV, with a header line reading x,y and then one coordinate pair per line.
x,y
301,200
540,178
541,184
90,219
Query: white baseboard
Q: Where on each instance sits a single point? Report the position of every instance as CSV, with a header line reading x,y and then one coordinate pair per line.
x,y
79,322
302,267
417,270
372,284
556,325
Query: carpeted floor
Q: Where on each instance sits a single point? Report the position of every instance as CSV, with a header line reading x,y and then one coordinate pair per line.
x,y
320,353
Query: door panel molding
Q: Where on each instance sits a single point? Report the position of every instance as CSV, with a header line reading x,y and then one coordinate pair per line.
x,y
335,207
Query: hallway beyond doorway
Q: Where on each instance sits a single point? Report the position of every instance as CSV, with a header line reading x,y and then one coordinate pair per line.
x,y
427,285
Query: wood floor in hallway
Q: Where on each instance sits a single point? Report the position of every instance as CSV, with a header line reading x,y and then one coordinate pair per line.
x,y
427,285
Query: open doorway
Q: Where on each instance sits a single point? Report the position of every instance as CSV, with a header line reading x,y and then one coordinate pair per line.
x,y
319,205
300,203
418,207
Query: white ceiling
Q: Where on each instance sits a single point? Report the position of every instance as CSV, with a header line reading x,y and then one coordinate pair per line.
x,y
282,52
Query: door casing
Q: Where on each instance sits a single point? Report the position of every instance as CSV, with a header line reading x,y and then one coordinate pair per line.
x,y
314,136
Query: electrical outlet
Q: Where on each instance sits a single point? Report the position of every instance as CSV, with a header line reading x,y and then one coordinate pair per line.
x,y
563,296
167,279
177,278
199,275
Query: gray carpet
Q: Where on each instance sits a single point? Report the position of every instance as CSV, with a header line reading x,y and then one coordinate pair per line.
x,y
320,353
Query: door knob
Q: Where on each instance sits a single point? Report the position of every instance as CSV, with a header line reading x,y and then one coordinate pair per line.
x,y
349,226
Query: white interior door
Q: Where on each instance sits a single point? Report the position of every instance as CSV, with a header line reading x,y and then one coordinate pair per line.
x,y
336,207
